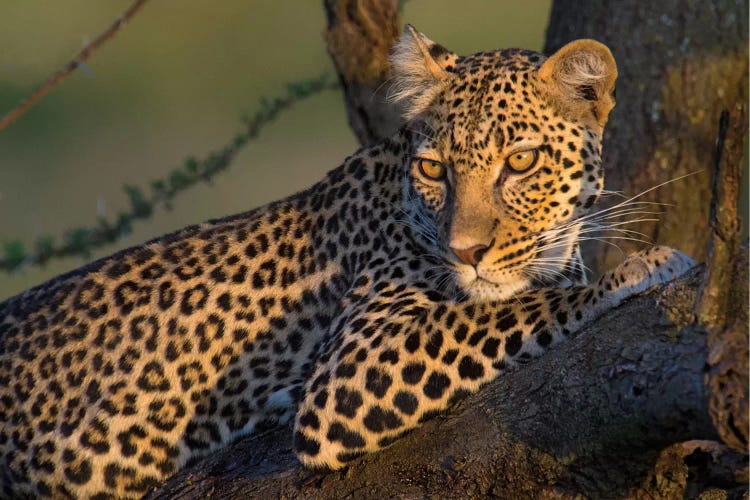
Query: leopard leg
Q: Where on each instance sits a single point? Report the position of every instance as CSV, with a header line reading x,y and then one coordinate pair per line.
x,y
387,370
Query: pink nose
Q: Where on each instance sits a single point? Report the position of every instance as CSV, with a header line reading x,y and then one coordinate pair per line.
x,y
472,255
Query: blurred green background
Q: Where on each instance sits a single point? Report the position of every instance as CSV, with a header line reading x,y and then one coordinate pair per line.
x,y
174,83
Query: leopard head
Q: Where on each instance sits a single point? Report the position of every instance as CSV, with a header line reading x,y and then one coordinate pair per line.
x,y
505,157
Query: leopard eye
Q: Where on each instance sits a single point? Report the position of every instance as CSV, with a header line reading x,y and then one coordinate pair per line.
x,y
522,160
431,169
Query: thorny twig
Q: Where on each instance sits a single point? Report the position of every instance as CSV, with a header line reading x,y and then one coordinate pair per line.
x,y
161,192
74,64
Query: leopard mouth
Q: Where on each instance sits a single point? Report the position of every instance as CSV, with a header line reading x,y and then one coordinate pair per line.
x,y
531,275
481,287
485,289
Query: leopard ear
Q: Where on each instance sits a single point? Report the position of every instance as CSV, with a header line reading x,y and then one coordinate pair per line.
x,y
580,80
418,67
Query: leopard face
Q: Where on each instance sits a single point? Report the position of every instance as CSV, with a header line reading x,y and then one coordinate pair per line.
x,y
503,166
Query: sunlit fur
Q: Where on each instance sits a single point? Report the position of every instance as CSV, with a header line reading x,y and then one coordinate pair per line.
x,y
526,219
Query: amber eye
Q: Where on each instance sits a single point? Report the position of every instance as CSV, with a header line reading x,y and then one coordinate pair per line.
x,y
522,161
431,169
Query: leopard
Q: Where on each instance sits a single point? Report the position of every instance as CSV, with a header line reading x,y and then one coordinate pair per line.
x,y
419,270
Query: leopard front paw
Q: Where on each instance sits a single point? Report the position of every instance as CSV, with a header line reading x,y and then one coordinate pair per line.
x,y
651,267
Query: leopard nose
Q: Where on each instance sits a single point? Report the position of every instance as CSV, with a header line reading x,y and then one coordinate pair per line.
x,y
472,255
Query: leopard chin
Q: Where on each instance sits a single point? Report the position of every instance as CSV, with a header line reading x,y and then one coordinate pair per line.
x,y
475,286
482,289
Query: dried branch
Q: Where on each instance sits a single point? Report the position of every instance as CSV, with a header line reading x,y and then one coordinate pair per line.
x,y
83,240
713,301
74,64
717,305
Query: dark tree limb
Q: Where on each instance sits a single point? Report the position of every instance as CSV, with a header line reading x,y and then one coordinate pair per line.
x,y
590,417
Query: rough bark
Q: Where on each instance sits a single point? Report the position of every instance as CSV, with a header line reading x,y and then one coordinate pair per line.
x,y
680,62
359,36
588,418
716,307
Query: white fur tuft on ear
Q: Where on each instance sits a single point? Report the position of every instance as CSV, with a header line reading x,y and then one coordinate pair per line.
x,y
579,71
580,78
418,69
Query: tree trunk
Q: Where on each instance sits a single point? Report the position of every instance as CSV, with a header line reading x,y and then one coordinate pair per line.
x,y
681,63
590,418
359,36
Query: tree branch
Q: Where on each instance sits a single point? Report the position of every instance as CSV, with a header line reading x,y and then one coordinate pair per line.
x,y
161,192
74,64
717,307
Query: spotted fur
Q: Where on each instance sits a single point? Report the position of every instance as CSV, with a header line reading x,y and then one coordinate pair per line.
x,y
361,305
